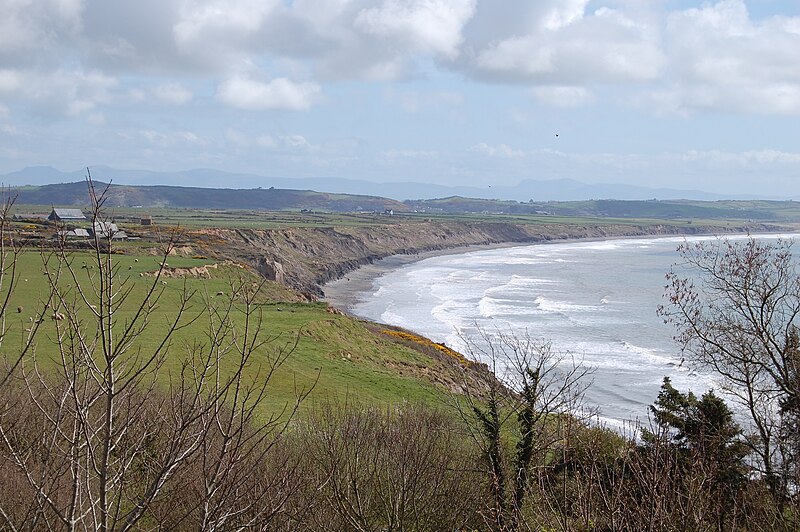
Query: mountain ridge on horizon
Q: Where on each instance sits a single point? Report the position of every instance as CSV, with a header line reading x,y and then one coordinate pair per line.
x,y
560,189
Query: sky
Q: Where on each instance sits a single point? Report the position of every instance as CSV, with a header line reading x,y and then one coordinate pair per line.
x,y
659,93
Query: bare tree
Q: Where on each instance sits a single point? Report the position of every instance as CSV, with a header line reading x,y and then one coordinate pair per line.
x,y
110,426
735,306
532,393
398,468
10,252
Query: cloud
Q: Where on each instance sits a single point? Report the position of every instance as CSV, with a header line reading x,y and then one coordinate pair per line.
x,y
429,26
556,42
393,155
232,25
58,93
563,96
293,143
279,93
161,139
738,160
266,141
722,59
501,150
714,57
173,93
296,142
412,101
10,80
31,29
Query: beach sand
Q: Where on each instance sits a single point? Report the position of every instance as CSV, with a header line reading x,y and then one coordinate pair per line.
x,y
343,293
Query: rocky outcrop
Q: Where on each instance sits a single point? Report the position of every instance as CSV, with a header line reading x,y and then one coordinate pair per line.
x,y
307,257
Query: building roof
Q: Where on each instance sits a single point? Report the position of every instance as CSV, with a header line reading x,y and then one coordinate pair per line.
x,y
108,229
79,233
67,214
30,216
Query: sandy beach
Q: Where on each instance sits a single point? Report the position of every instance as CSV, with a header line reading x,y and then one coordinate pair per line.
x,y
343,293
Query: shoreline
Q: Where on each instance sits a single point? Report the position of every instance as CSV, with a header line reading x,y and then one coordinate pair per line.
x,y
342,294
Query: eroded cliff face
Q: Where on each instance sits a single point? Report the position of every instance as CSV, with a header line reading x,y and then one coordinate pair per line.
x,y
306,258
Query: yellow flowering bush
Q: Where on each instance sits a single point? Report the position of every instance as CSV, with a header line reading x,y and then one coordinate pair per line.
x,y
410,337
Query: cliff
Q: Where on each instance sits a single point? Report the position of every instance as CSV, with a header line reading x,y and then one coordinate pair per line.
x,y
307,257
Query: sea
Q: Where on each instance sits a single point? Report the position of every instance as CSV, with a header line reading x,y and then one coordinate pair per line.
x,y
594,302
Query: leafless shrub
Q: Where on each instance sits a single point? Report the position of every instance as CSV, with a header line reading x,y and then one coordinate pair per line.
x,y
109,432
533,401
404,468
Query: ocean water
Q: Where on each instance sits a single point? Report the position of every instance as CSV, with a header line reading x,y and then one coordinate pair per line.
x,y
594,300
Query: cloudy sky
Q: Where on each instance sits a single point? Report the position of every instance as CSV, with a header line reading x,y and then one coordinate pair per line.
x,y
677,93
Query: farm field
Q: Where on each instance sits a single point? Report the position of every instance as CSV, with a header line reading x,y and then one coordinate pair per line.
x,y
336,355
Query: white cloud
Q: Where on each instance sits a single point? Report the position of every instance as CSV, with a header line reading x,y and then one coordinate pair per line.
x,y
231,25
564,13
557,42
10,80
296,142
279,93
430,26
161,139
722,59
173,93
738,160
501,150
413,101
395,154
266,141
31,28
58,93
563,96
221,18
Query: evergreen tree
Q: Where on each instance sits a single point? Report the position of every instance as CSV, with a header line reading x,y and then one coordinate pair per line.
x,y
705,438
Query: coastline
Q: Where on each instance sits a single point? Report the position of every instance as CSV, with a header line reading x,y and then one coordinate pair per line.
x,y
342,293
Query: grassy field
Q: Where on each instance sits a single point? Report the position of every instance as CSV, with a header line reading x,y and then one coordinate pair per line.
x,y
254,219
338,355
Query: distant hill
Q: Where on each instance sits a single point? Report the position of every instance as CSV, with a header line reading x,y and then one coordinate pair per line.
x,y
537,190
756,210
204,198
275,199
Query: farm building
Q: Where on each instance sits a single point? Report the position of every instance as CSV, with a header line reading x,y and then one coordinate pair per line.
x,y
107,230
21,217
74,233
66,215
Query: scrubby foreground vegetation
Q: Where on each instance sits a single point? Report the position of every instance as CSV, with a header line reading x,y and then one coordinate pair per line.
x,y
144,402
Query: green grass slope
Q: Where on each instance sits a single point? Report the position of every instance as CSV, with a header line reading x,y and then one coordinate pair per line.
x,y
339,356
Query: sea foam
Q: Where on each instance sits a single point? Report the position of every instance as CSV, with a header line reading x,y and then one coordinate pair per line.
x,y
593,300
